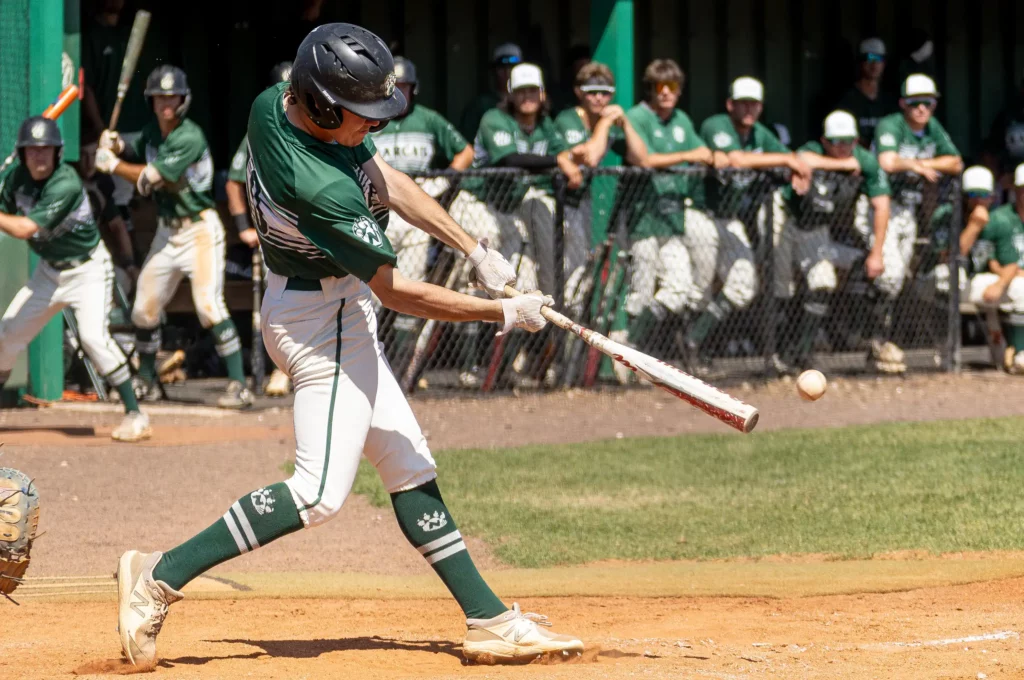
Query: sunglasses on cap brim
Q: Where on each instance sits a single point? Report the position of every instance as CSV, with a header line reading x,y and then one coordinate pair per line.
x,y
914,102
597,89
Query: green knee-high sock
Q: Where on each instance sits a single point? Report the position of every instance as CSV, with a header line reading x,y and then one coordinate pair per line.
x,y
814,312
229,347
713,314
147,342
121,379
254,520
429,526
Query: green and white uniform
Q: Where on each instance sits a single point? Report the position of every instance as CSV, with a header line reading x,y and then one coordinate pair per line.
x,y
311,204
75,270
894,134
420,141
516,215
1001,240
805,240
189,240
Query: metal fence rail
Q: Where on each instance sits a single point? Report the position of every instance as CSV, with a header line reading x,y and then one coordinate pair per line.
x,y
728,274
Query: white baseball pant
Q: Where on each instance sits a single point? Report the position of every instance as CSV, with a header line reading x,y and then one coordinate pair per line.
x,y
813,253
411,245
88,289
196,250
661,272
347,402
1012,301
720,247
575,246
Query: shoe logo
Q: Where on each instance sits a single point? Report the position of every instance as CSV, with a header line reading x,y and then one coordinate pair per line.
x,y
136,605
433,522
516,632
262,501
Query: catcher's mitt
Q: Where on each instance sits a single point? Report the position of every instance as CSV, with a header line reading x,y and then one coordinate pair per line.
x,y
19,522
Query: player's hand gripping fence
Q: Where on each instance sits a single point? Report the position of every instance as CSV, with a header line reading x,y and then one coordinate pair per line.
x,y
698,393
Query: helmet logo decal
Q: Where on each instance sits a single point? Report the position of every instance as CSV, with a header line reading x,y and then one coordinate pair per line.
x,y
167,81
38,130
389,84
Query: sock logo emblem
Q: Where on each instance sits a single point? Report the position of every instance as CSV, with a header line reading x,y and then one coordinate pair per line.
x,y
262,500
433,522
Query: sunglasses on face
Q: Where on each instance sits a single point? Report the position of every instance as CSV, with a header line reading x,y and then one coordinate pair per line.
x,y
839,141
598,89
874,57
927,102
979,194
672,86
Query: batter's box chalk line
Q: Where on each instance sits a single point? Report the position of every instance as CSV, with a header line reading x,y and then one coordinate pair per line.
x,y
998,635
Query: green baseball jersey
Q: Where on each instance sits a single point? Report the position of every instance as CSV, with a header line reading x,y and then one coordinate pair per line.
x,y
59,207
236,173
184,162
868,112
833,195
500,136
311,203
574,131
894,134
732,194
420,141
1001,240
664,196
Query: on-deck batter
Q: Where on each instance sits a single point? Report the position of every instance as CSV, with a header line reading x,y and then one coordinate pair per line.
x,y
315,183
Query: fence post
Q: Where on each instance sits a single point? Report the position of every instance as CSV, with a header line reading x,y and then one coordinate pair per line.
x,y
952,352
559,239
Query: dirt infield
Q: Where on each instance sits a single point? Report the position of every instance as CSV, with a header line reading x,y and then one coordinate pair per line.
x,y
101,498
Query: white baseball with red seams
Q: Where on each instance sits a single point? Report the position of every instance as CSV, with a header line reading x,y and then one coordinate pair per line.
x,y
811,385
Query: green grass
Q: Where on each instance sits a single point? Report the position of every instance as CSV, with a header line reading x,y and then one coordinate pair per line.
x,y
940,487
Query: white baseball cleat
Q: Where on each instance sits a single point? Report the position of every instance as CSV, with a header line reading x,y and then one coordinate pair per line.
x,y
141,605
515,637
134,428
279,385
236,396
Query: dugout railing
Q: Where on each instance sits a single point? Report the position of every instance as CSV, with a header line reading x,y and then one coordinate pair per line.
x,y
726,273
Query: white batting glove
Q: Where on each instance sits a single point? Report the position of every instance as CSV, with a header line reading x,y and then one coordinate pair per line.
x,y
523,311
491,271
109,139
106,161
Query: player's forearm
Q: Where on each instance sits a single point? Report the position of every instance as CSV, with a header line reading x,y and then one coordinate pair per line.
x,y
236,197
827,163
636,150
129,171
1005,272
421,211
18,226
428,301
976,221
947,165
881,210
891,163
598,142
656,161
124,254
463,159
760,161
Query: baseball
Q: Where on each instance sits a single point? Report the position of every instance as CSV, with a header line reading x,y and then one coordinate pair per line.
x,y
811,385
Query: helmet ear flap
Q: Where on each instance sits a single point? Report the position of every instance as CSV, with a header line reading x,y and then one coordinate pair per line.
x,y
187,102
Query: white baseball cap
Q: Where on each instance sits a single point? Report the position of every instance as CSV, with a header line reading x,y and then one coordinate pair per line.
x,y
873,46
840,125
919,85
525,75
746,87
978,179
1018,176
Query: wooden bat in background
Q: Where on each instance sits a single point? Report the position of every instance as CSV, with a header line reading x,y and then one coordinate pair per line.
x,y
698,393
53,112
130,63
259,367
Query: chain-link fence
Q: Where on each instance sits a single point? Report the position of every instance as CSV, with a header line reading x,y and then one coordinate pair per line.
x,y
725,273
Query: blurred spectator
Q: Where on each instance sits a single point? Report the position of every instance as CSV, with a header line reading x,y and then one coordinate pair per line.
x,y
1000,268
866,99
575,58
590,129
913,143
1004,147
813,234
506,56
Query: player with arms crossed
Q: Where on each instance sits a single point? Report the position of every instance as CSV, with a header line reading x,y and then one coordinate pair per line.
x,y
175,167
313,177
42,201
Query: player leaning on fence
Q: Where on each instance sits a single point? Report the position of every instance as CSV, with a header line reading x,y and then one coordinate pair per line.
x,y
999,258
743,148
914,146
816,233
590,129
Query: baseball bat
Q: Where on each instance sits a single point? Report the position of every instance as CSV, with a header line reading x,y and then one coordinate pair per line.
x,y
259,367
53,112
710,400
131,61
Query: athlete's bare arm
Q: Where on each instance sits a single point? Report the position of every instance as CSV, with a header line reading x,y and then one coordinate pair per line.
x,y
819,162
975,223
428,301
405,197
18,226
463,159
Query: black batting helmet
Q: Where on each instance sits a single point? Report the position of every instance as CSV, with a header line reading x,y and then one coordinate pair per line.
x,y
281,73
167,79
405,72
344,66
39,131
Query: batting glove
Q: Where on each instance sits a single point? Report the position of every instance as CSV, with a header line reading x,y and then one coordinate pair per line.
x,y
109,139
524,312
491,271
106,161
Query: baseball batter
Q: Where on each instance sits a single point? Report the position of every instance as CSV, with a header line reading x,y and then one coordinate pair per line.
x,y
177,170
278,384
314,177
913,143
807,238
42,201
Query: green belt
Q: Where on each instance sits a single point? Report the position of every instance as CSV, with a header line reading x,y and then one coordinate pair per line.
x,y
308,285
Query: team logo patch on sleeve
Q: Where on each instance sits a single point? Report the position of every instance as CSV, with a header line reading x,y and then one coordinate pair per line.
x,y
502,138
367,230
573,136
887,139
